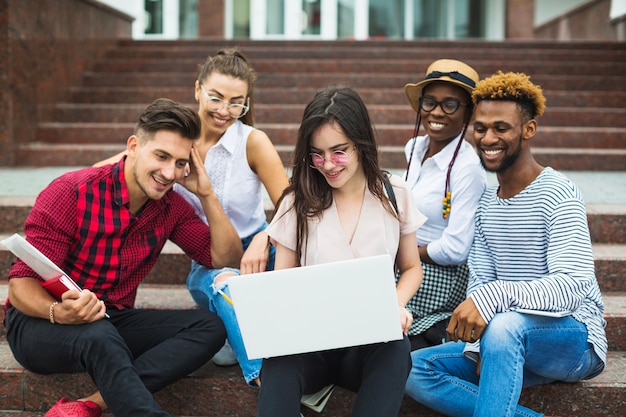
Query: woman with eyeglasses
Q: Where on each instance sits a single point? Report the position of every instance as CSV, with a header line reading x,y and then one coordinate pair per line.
x,y
446,180
337,208
240,160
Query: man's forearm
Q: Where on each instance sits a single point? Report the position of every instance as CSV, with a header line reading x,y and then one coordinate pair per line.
x,y
226,249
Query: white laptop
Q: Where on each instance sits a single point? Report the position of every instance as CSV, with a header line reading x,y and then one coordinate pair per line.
x,y
318,307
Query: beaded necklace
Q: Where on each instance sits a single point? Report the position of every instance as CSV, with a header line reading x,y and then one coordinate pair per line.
x,y
447,193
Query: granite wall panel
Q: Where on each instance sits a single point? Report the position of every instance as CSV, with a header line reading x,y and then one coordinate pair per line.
x,y
211,18
589,21
47,44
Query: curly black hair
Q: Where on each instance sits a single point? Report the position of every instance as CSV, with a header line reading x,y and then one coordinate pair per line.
x,y
512,86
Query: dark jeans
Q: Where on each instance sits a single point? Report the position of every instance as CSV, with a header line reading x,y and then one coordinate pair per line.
x,y
129,356
433,336
377,373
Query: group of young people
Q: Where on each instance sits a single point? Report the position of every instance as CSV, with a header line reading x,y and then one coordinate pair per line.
x,y
467,255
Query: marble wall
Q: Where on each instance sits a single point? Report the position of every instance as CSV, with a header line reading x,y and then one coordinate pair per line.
x,y
45,45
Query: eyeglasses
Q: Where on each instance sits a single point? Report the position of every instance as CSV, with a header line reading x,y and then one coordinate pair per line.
x,y
235,110
449,105
336,157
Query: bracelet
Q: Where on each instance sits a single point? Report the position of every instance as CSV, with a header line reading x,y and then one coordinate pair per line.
x,y
51,312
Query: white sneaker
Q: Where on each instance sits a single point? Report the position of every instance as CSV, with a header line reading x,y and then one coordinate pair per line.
x,y
225,356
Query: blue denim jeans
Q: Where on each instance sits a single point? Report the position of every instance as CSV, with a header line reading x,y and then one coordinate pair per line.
x,y
517,350
200,283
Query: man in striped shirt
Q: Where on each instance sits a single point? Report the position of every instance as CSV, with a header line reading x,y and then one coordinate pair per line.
x,y
105,227
531,252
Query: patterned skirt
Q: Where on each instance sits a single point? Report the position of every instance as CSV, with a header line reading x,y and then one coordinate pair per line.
x,y
443,289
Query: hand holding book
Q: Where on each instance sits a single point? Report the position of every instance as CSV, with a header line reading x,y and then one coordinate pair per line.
x,y
56,282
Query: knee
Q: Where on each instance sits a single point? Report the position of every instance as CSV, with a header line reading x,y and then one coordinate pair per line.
x,y
504,330
416,384
101,336
223,276
202,284
210,323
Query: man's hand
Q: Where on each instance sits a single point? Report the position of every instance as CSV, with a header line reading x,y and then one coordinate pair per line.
x,y
196,178
79,308
466,323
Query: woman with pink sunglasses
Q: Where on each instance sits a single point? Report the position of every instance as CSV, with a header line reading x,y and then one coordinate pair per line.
x,y
337,208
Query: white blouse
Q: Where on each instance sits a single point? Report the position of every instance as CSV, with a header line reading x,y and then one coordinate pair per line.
x,y
377,232
448,240
238,188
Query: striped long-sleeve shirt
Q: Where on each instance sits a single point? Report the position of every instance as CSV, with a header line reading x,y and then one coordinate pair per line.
x,y
534,251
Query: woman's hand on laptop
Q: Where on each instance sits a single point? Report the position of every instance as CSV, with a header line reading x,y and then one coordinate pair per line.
x,y
406,319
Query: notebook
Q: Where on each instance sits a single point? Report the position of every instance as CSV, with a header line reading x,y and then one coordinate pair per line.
x,y
318,307
544,313
55,280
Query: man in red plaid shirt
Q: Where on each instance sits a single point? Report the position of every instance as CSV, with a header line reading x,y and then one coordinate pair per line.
x,y
105,227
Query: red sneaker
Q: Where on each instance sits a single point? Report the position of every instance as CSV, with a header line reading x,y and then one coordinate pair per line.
x,y
65,408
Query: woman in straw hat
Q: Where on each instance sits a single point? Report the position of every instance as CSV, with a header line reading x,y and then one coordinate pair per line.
x,y
446,180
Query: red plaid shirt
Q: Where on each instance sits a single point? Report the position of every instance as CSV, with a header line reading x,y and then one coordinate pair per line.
x,y
82,223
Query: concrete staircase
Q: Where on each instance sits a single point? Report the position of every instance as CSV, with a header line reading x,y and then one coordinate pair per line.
x,y
583,130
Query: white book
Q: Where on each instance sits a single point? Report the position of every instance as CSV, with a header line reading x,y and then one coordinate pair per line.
x,y
31,256
543,313
318,400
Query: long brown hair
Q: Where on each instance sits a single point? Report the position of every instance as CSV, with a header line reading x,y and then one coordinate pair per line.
x,y
342,106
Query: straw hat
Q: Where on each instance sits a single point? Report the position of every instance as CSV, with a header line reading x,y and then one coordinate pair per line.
x,y
449,70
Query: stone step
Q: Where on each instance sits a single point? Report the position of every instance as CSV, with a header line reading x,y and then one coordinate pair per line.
x,y
284,132
589,121
172,63
301,95
164,286
173,265
466,50
175,296
607,222
220,392
316,79
393,130
171,268
42,154
564,159
228,395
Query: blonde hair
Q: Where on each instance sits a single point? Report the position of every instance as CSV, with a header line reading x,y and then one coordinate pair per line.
x,y
512,86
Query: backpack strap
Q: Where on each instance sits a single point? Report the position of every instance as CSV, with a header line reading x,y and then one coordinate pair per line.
x,y
390,194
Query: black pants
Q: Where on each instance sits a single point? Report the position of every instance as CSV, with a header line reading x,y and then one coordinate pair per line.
x,y
377,373
434,335
129,356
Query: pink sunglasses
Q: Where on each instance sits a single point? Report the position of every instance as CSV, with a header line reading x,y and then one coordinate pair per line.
x,y
336,157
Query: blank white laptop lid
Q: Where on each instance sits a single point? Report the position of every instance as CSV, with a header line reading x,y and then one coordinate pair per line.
x,y
317,307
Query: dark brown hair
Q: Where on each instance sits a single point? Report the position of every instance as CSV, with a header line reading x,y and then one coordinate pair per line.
x,y
344,108
166,114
